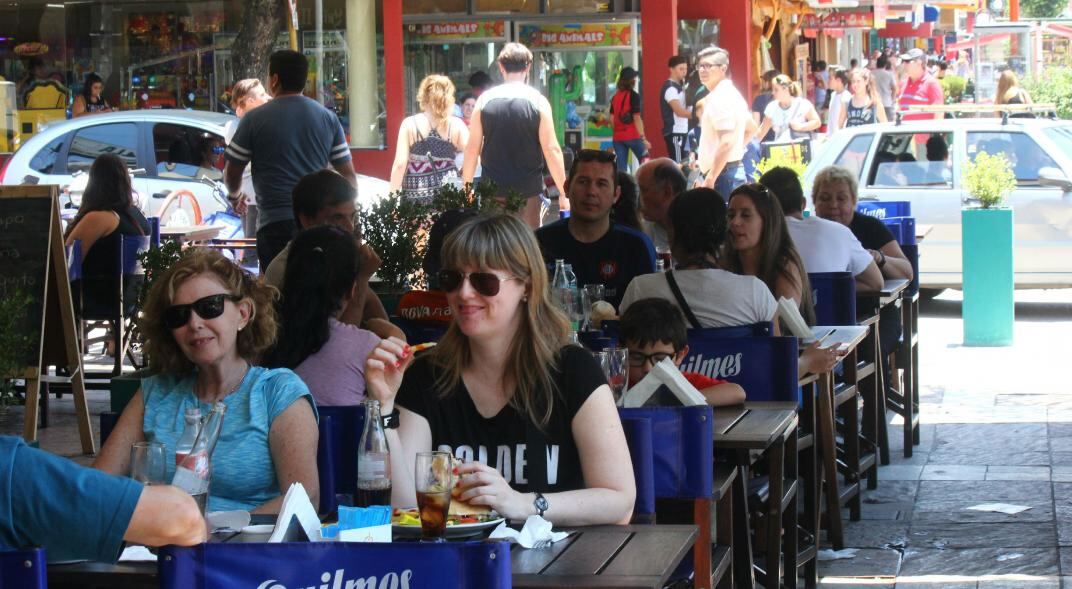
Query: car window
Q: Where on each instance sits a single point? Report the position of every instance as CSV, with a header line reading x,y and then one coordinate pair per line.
x,y
1026,157
913,159
187,152
44,160
120,139
852,157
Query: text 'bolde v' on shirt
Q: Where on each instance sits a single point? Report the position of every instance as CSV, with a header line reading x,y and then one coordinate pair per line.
x,y
501,441
511,155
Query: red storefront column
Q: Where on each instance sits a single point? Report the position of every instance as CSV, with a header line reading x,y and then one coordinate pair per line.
x,y
659,40
735,34
377,162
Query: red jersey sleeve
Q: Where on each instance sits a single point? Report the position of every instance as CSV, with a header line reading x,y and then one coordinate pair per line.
x,y
700,381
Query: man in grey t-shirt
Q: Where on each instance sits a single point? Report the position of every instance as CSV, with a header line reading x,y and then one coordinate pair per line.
x,y
284,140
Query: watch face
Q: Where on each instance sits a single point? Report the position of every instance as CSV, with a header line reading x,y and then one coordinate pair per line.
x,y
541,503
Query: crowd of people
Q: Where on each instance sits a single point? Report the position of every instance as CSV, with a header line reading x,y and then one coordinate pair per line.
x,y
504,388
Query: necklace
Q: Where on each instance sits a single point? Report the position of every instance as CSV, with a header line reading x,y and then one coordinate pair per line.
x,y
197,386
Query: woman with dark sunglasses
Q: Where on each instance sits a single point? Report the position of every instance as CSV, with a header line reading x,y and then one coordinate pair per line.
x,y
531,417
206,323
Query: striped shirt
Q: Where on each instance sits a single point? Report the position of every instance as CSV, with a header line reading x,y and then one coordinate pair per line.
x,y
283,140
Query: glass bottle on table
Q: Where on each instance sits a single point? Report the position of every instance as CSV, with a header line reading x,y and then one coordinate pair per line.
x,y
194,473
373,461
563,292
192,416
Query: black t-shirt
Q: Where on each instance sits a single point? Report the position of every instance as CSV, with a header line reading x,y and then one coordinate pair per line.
x,y
759,104
501,441
665,109
872,233
612,260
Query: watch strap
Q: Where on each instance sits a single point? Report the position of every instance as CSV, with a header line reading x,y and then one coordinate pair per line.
x,y
390,421
540,503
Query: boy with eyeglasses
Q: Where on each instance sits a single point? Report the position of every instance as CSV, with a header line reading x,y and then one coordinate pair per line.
x,y
653,330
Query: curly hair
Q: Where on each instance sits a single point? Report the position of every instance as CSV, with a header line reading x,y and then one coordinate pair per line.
x,y
163,351
436,94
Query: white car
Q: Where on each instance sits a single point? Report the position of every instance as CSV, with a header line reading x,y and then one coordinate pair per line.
x,y
906,162
172,153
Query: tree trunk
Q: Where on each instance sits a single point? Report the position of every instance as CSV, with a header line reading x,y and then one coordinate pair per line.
x,y
256,38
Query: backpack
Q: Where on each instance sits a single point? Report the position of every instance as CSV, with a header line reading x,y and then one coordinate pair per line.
x,y
626,115
431,164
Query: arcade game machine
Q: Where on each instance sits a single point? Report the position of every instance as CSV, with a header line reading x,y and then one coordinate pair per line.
x,y
576,66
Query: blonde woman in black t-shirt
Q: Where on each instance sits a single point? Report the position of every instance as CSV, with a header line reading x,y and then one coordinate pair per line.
x,y
503,389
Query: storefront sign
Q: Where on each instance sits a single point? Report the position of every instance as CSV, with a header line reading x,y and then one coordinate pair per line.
x,y
566,36
445,32
882,12
840,20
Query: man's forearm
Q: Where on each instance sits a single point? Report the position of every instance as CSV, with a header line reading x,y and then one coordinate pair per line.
x,y
232,176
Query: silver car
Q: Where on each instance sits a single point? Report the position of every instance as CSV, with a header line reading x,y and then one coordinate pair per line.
x,y
922,162
176,155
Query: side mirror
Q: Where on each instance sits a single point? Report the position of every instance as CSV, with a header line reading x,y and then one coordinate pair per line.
x,y
1055,178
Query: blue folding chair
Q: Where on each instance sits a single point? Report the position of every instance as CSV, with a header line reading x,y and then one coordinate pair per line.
x,y
905,400
902,228
23,569
677,444
638,438
340,434
154,231
761,329
766,367
885,208
834,297
448,565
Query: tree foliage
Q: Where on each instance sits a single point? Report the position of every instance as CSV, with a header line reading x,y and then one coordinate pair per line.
x,y
1042,8
1054,86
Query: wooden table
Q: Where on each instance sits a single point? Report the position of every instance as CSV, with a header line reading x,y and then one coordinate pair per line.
x,y
190,234
875,422
605,556
769,427
626,557
922,231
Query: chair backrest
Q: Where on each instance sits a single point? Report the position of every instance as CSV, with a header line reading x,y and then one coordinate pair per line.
x,y
23,569
682,449
337,453
912,253
326,459
133,246
74,260
885,208
154,231
761,329
765,367
447,565
834,296
638,437
903,229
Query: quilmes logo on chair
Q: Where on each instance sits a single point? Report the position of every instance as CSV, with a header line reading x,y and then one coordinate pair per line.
x,y
338,580
718,367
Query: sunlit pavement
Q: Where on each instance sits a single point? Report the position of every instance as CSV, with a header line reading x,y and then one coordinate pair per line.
x,y
996,428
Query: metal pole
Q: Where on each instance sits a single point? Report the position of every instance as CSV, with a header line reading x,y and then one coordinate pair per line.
x,y
320,51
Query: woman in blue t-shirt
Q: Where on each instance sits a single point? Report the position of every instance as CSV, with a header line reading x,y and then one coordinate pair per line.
x,y
503,391
205,323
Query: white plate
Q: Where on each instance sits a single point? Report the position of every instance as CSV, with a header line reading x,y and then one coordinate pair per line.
x,y
455,531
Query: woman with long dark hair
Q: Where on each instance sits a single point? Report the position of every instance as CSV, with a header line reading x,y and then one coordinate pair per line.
x,y
90,100
319,281
627,122
759,245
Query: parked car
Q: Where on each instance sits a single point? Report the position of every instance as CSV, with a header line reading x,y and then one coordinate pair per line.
x,y
923,162
176,157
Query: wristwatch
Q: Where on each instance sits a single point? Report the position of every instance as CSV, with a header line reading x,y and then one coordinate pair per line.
x,y
390,421
540,503
882,259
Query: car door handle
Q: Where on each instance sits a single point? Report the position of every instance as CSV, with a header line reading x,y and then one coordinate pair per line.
x,y
163,194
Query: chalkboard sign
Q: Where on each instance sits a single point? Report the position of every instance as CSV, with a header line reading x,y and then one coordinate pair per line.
x,y
25,223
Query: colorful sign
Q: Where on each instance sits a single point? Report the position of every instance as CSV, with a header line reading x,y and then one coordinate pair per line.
x,y
840,20
445,32
582,35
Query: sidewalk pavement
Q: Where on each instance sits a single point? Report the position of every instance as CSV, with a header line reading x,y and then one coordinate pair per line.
x,y
996,428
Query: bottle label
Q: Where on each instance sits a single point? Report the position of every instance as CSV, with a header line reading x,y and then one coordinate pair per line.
x,y
188,481
372,466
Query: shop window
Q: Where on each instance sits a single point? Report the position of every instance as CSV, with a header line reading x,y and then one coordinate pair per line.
x,y
852,157
186,152
433,6
1026,157
119,139
580,6
901,160
44,161
514,6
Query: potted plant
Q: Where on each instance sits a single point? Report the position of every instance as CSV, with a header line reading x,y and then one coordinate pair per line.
x,y
14,342
987,251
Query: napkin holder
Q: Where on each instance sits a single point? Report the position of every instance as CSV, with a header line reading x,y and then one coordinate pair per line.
x,y
666,376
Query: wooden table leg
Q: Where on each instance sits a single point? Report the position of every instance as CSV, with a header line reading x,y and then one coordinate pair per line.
x,y
789,515
828,463
775,472
742,545
701,551
724,533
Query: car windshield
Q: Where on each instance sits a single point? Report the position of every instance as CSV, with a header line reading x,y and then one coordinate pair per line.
x,y
1062,136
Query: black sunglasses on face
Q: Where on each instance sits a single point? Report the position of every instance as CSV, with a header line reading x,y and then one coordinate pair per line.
x,y
209,307
485,283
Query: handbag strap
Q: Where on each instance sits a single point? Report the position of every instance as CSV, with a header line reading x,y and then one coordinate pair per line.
x,y
672,282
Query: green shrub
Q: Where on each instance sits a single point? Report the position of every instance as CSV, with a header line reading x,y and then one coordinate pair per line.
x,y
953,87
989,179
1053,86
778,159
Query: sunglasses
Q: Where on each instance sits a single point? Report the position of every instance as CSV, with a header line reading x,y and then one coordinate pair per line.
x,y
209,307
484,283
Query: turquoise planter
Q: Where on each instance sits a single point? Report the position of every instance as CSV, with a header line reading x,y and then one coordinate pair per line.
x,y
989,310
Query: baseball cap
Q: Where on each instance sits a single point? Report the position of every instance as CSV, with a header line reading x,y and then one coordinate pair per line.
x,y
913,54
627,73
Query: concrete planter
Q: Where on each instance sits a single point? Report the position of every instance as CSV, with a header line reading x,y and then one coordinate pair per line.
x,y
989,311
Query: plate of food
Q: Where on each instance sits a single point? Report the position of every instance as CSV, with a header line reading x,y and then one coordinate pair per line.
x,y
463,520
